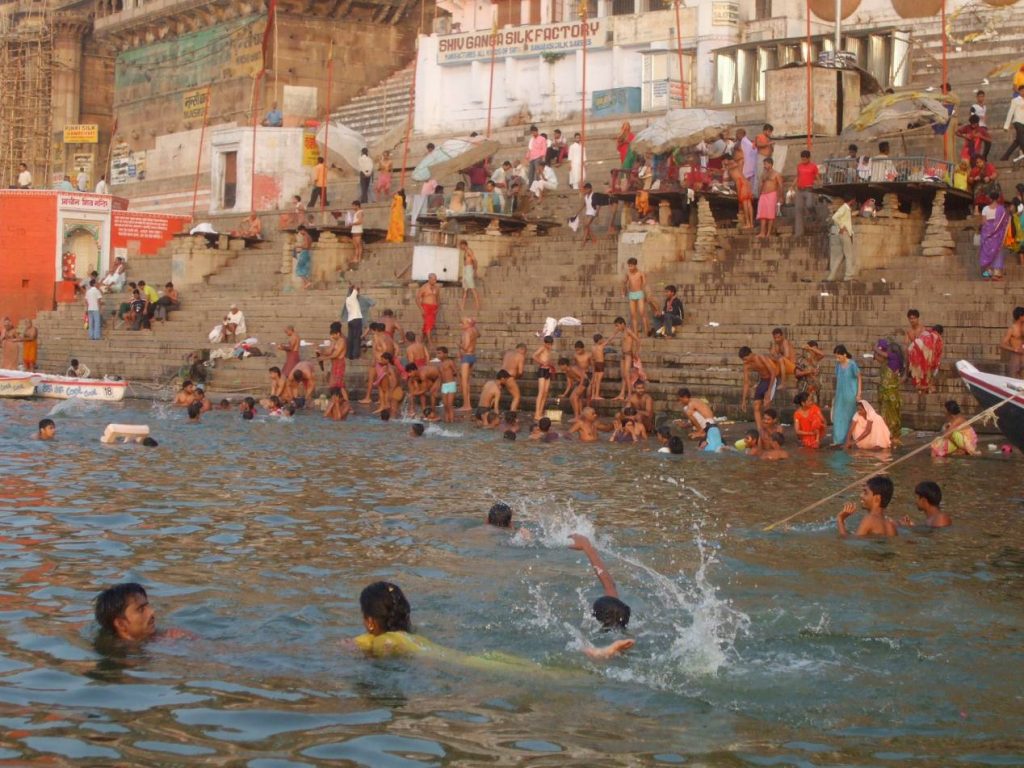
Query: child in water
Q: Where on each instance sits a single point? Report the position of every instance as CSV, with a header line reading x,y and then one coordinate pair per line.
x,y
929,498
387,617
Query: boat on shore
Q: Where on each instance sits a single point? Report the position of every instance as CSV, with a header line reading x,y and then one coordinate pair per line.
x,y
35,384
990,389
18,383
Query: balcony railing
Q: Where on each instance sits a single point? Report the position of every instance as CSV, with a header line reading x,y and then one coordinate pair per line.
x,y
883,168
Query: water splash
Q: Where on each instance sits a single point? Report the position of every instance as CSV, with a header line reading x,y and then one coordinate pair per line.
x,y
436,430
75,407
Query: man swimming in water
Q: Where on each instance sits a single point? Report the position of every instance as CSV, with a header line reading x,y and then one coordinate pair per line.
x,y
875,497
586,426
609,610
47,430
123,611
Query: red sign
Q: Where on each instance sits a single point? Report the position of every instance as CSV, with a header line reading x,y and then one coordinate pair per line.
x,y
151,231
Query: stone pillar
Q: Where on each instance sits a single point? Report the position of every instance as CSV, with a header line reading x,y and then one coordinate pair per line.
x,y
705,247
937,240
67,70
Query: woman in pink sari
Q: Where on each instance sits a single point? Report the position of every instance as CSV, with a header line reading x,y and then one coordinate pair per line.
x,y
924,355
868,430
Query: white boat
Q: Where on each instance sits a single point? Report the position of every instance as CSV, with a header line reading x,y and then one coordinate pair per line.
x,y
66,387
991,389
17,383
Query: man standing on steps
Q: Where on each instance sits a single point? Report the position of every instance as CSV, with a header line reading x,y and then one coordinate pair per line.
x,y
803,184
467,350
841,250
767,202
765,149
536,151
514,362
93,303
428,299
750,156
365,175
319,184
767,375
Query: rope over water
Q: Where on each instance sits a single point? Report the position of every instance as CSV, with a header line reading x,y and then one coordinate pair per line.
x,y
890,465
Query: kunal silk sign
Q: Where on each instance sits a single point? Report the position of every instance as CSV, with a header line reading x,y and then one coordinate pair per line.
x,y
521,41
81,134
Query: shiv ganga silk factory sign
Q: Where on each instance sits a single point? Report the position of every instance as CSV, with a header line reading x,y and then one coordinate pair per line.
x,y
520,41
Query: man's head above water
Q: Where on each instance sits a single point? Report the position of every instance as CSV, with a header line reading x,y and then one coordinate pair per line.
x,y
124,611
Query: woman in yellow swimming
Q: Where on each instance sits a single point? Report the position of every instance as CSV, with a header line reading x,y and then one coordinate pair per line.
x,y
387,618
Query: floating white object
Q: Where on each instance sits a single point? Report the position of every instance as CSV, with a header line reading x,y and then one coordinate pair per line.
x,y
713,324
824,293
124,431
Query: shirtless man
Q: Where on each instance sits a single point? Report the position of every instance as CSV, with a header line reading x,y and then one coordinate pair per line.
x,y
597,362
428,299
585,426
467,351
766,372
301,384
644,405
448,384
490,395
416,351
250,226
633,287
784,355
391,326
630,351
771,183
576,385
584,361
338,407
1013,342
424,381
874,498
514,362
382,345
698,414
186,395
390,393
915,329
336,360
545,371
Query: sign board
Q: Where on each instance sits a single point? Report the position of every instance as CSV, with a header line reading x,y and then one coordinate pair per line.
x,y
126,166
193,103
310,151
725,13
81,134
521,41
149,231
83,201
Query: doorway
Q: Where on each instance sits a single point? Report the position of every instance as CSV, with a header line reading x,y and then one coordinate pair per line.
x,y
230,179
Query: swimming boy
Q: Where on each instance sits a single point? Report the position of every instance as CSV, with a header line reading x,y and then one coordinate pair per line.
x,y
448,383
770,436
545,371
123,611
417,430
424,380
47,430
644,404
195,411
609,610
514,361
929,497
633,286
186,395
874,498
490,394
338,407
767,373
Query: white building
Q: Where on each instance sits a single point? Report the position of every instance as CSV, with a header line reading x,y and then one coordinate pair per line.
x,y
633,52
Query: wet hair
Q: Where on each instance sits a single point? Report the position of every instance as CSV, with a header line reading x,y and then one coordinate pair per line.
x,y
800,399
753,434
428,411
410,336
443,349
619,320
186,384
194,409
113,601
149,442
665,432
411,367
248,415
812,343
509,435
840,349
385,415
275,401
683,392
290,409
500,515
336,327
611,612
388,313
631,260
418,429
250,401
671,289
777,331
882,486
597,337
938,329
579,345
952,407
511,417
629,411
478,412
563,361
913,313
384,602
298,376
226,402
929,491
274,369
771,413
44,423
675,445
549,339
544,424
744,352
334,392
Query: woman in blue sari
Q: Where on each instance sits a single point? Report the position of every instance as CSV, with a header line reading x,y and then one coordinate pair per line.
x,y
848,392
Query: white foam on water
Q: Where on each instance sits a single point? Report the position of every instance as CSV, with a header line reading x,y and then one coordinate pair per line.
x,y
436,430
74,406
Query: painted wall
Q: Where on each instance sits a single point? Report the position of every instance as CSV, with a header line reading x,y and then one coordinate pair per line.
x,y
279,170
28,221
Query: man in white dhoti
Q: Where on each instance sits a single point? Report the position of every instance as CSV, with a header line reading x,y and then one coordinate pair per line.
x,y
577,157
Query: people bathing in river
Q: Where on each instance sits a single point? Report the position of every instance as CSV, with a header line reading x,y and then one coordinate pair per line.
x,y
868,430
875,498
808,421
928,497
608,609
961,441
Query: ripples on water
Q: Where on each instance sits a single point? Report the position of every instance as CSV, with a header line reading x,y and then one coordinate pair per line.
x,y
788,647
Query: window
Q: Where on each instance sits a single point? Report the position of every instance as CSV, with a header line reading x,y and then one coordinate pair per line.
x,y
623,7
509,12
762,9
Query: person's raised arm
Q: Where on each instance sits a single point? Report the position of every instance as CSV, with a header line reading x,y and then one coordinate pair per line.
x,y
848,509
582,543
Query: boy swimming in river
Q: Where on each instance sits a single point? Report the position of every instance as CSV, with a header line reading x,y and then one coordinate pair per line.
x,y
387,617
929,498
123,611
609,610
47,430
875,497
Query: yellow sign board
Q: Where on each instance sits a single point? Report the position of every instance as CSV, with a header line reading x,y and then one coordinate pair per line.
x,y
310,151
81,134
193,104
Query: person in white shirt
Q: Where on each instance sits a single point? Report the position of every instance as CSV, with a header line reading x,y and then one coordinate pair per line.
x,y
841,248
1015,118
234,324
93,302
577,157
354,314
365,175
82,180
24,177
980,109
78,370
749,155
500,179
102,188
546,179
589,212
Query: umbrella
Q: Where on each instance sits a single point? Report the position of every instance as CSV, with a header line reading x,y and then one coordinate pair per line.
x,y
452,156
683,128
895,113
345,144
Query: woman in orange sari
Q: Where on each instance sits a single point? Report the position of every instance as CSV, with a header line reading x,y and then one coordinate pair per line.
x,y
396,222
808,421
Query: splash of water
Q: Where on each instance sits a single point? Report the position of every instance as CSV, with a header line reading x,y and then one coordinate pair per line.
x,y
74,407
436,430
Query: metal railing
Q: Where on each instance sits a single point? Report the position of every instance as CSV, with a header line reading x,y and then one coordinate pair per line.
x,y
885,168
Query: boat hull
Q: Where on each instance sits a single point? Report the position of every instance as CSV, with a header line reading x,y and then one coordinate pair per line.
x,y
990,389
17,386
83,389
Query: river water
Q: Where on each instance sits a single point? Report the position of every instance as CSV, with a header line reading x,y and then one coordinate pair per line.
x,y
783,648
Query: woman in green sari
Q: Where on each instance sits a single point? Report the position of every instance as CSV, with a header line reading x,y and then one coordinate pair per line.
x,y
889,356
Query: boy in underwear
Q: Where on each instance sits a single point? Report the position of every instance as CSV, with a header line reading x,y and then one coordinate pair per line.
x,y
380,345
490,395
514,361
576,384
301,384
698,413
874,498
766,372
630,354
609,610
423,381
633,288
597,361
416,351
586,426
545,371
277,386
486,419
448,384
929,498
770,436
783,353
186,395
584,361
467,350
338,408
